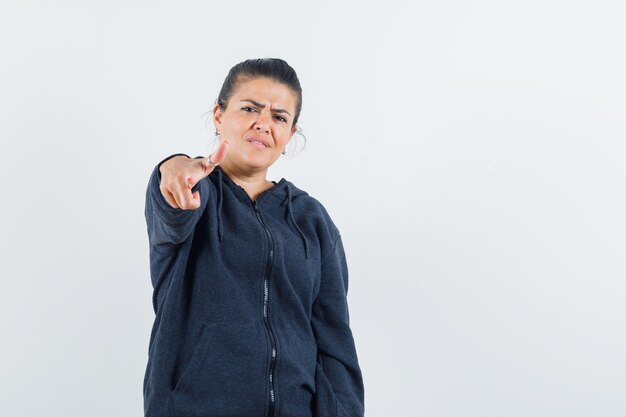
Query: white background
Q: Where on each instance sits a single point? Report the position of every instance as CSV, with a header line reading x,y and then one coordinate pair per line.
x,y
471,153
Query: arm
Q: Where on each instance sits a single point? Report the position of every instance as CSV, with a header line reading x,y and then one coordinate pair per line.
x,y
166,224
339,370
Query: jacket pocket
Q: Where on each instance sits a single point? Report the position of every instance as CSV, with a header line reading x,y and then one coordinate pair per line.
x,y
324,400
226,374
194,362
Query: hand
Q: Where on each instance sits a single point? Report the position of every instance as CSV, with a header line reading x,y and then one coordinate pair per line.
x,y
180,174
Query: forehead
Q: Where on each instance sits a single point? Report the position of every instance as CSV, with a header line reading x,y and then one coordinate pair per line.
x,y
265,91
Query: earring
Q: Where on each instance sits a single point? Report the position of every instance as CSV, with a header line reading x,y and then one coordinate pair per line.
x,y
284,152
217,133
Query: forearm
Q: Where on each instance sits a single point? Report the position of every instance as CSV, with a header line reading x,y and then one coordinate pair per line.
x,y
165,223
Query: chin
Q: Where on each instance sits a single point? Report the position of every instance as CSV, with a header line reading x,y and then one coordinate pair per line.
x,y
256,163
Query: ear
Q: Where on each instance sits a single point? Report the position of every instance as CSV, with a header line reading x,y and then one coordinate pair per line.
x,y
217,116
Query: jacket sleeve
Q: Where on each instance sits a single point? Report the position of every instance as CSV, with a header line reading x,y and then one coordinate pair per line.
x,y
339,381
168,225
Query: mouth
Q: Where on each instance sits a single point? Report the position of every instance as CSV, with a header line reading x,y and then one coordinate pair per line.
x,y
259,142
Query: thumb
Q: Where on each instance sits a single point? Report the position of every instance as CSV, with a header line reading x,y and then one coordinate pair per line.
x,y
220,153
208,164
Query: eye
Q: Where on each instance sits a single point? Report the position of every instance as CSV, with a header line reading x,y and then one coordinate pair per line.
x,y
282,119
248,108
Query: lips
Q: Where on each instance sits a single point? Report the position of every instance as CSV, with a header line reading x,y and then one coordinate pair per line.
x,y
255,140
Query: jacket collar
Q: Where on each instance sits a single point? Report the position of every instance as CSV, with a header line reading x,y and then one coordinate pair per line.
x,y
281,188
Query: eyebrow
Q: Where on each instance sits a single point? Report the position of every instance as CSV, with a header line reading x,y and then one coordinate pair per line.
x,y
263,106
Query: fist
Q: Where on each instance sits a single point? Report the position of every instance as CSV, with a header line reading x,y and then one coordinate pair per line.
x,y
180,174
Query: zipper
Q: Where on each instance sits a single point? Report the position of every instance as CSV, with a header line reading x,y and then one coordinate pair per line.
x,y
265,307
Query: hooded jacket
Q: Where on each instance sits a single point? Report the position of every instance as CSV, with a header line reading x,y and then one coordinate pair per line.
x,y
250,302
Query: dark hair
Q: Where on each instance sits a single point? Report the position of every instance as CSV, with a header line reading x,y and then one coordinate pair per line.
x,y
273,68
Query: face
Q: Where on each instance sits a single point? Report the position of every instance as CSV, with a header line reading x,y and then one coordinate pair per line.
x,y
258,123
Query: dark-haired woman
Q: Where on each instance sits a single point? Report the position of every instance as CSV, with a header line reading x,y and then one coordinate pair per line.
x,y
249,275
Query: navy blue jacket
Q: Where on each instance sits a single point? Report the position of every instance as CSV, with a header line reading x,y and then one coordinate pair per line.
x,y
250,302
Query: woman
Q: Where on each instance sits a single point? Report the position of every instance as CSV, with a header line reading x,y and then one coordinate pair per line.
x,y
250,276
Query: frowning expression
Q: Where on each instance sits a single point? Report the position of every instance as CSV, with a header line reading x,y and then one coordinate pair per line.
x,y
257,121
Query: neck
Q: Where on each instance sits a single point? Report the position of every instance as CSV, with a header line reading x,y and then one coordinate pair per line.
x,y
254,183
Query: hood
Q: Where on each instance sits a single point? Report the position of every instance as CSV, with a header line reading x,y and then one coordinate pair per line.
x,y
285,190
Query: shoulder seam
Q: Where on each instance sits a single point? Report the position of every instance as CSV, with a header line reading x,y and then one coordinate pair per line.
x,y
332,251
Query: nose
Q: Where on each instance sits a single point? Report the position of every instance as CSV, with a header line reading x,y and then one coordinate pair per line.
x,y
263,121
